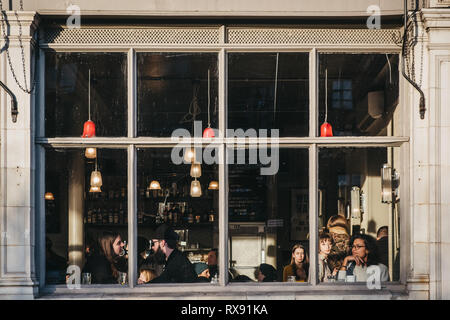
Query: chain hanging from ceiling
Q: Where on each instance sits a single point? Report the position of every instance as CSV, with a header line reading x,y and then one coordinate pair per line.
x,y
24,87
409,42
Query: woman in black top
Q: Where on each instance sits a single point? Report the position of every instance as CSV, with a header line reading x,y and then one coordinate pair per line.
x,y
107,259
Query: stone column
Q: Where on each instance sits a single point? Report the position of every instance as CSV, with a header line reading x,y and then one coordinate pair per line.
x,y
76,211
437,24
17,168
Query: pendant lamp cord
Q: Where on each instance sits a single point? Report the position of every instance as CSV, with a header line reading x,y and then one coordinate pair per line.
x,y
390,70
326,95
275,89
89,95
209,100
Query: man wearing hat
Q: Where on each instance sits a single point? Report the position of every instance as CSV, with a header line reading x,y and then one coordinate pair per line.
x,y
177,268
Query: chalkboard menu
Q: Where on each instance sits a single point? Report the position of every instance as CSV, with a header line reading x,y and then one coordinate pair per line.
x,y
247,194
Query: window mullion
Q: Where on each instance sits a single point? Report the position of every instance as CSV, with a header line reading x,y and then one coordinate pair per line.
x,y
132,217
313,233
223,216
132,93
223,171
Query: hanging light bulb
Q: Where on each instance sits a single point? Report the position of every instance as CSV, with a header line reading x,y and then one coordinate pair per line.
x,y
89,126
196,189
213,185
95,189
196,170
154,185
49,196
325,129
189,155
91,153
96,179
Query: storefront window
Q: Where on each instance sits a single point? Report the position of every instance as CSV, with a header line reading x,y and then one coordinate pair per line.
x,y
174,90
86,217
362,93
268,193
269,91
67,93
355,200
269,217
183,195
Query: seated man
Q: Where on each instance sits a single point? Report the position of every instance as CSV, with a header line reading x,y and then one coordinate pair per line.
x,y
177,268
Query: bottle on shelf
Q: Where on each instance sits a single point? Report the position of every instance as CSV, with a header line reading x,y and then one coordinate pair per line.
x,y
116,216
211,216
110,216
190,216
99,216
121,215
94,216
89,216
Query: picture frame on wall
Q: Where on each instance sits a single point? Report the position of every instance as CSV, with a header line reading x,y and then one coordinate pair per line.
x,y
299,214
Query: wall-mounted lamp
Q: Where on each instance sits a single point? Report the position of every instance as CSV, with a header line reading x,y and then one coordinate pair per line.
x,y
390,180
49,196
154,185
213,185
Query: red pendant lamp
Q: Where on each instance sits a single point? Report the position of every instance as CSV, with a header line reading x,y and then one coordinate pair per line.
x,y
89,126
208,132
326,130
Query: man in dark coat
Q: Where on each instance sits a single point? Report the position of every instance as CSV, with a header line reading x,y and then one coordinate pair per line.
x,y
178,268
383,245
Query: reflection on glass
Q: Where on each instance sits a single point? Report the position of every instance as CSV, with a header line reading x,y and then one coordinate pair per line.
x,y
86,229
269,219
173,92
352,215
191,213
362,91
269,91
67,93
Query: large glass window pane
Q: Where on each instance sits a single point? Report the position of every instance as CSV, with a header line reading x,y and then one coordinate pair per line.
x,y
358,206
67,93
362,93
268,216
174,91
86,231
269,91
183,197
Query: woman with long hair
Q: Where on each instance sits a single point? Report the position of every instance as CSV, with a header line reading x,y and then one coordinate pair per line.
x,y
299,266
107,260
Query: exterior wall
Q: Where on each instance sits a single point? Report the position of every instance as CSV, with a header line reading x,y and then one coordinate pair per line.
x,y
437,24
220,8
17,263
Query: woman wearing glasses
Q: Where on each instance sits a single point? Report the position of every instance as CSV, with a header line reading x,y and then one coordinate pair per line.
x,y
364,260
107,259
